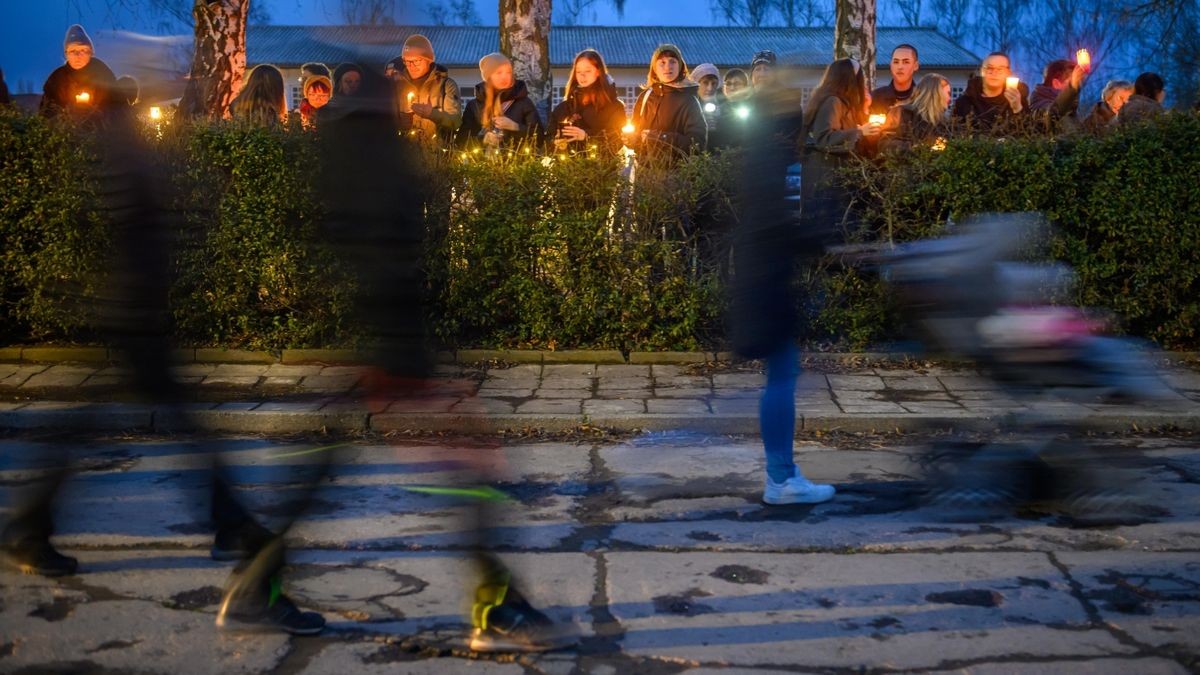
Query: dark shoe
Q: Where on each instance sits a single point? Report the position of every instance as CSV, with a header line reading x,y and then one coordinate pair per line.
x,y
516,627
38,558
263,616
239,544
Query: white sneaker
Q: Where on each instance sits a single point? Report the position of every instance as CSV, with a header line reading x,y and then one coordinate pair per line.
x,y
796,490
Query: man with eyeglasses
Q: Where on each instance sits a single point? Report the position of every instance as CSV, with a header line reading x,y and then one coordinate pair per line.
x,y
427,99
83,86
988,100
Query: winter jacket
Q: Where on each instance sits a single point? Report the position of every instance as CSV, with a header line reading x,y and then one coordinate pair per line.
x,y
1057,102
987,110
436,89
829,141
1137,109
1099,118
905,129
65,83
834,130
603,125
516,106
672,115
887,97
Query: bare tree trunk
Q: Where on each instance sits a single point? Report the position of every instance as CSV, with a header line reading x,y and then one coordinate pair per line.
x,y
219,59
525,38
854,34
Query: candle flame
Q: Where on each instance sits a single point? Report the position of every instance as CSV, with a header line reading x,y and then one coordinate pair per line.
x,y
83,97
877,119
628,128
155,113
1012,82
1083,58
939,144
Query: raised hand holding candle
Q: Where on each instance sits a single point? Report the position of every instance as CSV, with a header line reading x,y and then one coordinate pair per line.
x,y
1012,82
1084,59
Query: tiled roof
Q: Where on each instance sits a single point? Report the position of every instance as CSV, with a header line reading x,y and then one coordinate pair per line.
x,y
462,46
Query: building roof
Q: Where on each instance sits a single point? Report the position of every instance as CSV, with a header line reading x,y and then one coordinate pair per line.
x,y
621,46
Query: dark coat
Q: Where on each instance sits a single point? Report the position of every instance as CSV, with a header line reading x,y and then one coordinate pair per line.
x,y
602,124
60,89
516,106
905,129
1137,109
829,141
672,115
887,97
1099,118
987,110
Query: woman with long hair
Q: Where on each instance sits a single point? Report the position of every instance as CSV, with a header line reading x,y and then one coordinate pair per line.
x,y
502,113
590,112
922,119
261,101
667,117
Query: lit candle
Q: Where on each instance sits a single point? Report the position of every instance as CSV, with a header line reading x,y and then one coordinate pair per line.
x,y
1012,82
939,144
1084,59
83,97
877,119
628,128
411,96
155,113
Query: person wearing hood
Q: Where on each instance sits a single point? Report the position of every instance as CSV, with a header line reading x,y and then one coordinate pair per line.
x,y
591,113
667,115
1112,99
502,114
712,101
988,100
317,90
1057,97
84,85
427,99
1149,91
347,79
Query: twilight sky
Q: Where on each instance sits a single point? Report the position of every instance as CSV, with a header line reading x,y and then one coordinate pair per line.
x,y
31,32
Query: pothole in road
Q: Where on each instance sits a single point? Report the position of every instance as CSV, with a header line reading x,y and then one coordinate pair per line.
x,y
740,574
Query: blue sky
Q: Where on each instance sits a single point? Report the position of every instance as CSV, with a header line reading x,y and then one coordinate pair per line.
x,y
31,31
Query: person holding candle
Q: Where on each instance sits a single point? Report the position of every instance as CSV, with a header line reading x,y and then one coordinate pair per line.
x,y
667,116
995,96
1112,99
427,98
590,112
502,114
1057,97
1149,92
922,119
904,66
83,86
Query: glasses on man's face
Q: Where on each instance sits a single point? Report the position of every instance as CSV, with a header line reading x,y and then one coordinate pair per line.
x,y
412,63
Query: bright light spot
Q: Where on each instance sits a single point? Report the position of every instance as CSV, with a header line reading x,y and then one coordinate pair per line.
x,y
710,107
742,112
155,113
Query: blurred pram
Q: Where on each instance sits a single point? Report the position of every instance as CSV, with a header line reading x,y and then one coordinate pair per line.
x,y
980,293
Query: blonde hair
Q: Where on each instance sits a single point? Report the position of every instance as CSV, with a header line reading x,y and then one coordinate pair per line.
x,y
926,100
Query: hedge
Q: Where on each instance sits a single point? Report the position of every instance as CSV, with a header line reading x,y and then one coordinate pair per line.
x,y
559,253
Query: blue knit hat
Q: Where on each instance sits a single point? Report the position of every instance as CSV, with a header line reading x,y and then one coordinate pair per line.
x,y
76,35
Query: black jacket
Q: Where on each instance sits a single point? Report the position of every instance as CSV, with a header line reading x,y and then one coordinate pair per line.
x,y
65,83
904,129
602,124
673,116
516,106
987,110
1137,109
886,97
1099,118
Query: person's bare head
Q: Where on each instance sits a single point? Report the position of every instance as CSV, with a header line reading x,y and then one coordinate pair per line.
x,y
904,65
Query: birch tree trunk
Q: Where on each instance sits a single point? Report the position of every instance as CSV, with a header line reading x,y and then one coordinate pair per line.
x,y
525,38
854,34
219,59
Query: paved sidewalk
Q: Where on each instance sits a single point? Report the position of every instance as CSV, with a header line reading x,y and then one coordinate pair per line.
x,y
286,398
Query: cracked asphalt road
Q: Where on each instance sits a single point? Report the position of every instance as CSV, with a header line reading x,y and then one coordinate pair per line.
x,y
655,546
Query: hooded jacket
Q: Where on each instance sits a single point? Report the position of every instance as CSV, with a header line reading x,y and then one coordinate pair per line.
x,y
60,89
602,124
1137,109
987,110
436,89
515,104
668,116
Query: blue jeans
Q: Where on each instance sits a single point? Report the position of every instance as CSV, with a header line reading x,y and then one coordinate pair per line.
x,y
777,412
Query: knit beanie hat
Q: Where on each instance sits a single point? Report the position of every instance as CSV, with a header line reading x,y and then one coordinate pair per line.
x,y
317,79
765,56
707,70
418,45
76,35
669,50
490,63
